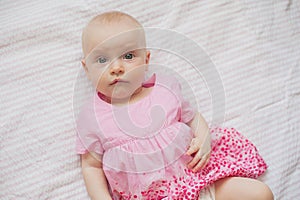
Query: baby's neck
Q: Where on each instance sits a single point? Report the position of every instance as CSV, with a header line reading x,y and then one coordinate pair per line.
x,y
139,94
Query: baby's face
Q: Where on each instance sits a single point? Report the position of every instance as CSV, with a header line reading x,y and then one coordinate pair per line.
x,y
115,58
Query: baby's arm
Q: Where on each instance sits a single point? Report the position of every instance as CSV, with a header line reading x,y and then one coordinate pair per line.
x,y
94,177
200,145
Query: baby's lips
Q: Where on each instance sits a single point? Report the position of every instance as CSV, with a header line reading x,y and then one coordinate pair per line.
x,y
118,80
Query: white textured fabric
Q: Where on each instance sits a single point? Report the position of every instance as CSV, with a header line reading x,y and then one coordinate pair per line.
x,y
208,193
254,45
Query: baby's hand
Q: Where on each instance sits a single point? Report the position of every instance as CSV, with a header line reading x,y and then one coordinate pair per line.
x,y
200,150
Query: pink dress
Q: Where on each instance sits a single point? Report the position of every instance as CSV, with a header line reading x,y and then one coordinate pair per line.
x,y
143,146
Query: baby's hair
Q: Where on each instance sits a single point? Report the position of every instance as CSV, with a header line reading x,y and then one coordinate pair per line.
x,y
110,17
113,16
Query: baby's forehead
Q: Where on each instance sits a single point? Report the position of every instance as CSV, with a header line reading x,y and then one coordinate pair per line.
x,y
121,25
117,35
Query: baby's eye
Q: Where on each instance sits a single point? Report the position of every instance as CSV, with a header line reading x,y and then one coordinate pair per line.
x,y
102,60
128,56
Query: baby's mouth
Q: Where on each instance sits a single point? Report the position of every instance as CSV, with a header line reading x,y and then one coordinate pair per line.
x,y
118,80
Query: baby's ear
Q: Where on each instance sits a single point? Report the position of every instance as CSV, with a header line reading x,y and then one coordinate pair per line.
x,y
147,57
84,65
85,68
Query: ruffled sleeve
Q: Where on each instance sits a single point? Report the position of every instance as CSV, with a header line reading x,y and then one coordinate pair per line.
x,y
87,139
186,111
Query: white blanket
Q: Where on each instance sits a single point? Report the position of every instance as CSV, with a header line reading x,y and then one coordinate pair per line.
x,y
253,45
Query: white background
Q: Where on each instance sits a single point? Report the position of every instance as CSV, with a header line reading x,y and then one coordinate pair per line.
x,y
254,45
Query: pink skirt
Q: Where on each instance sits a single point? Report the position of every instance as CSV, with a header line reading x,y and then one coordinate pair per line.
x,y
232,155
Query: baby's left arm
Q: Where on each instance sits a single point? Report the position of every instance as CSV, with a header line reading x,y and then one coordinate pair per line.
x,y
200,146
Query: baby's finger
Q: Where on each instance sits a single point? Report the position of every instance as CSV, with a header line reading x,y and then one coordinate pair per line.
x,y
195,160
203,162
206,162
192,149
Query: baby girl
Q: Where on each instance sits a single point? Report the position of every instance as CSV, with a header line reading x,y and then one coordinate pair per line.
x,y
140,139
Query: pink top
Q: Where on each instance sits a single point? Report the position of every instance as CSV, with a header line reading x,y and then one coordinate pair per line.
x,y
142,137
143,145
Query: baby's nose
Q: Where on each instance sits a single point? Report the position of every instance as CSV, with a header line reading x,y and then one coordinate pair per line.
x,y
117,68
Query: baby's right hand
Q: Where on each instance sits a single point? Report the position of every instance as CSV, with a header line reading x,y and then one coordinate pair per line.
x,y
200,150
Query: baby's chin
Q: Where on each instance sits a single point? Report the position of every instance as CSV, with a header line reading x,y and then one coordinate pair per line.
x,y
120,96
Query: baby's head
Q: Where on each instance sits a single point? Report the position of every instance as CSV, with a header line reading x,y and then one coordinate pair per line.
x,y
108,25
115,55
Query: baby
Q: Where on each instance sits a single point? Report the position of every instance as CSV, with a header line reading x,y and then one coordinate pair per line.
x,y
140,139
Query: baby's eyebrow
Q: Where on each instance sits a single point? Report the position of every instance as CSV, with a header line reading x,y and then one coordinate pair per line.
x,y
133,46
132,49
122,48
97,52
129,45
